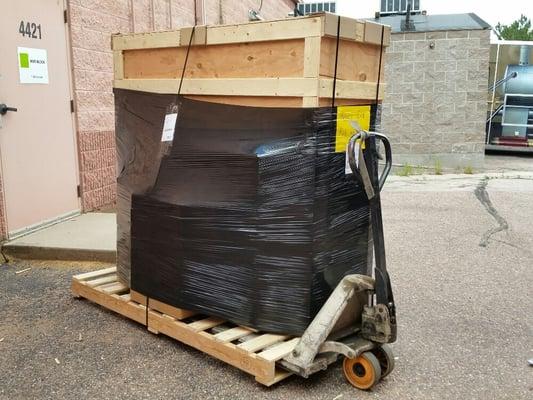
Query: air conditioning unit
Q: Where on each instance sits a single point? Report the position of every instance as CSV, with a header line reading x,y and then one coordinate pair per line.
x,y
309,8
390,7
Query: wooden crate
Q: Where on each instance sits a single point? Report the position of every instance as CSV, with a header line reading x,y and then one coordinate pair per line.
x,y
247,349
284,63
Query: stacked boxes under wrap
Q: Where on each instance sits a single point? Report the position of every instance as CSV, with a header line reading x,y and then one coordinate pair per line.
x,y
247,215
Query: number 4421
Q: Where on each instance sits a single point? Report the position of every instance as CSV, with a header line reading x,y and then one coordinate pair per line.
x,y
32,30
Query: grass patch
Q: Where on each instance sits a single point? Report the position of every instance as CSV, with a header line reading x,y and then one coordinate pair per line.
x,y
438,167
406,170
468,170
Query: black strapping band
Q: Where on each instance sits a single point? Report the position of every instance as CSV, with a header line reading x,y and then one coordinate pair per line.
x,y
336,62
186,60
379,66
146,314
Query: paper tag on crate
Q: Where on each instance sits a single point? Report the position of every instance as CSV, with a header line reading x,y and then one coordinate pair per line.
x,y
346,117
347,169
168,127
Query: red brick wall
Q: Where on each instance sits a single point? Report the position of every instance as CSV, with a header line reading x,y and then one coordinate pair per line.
x,y
237,11
91,24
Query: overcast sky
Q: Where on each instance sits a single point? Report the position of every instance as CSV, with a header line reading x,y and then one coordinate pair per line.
x,y
492,11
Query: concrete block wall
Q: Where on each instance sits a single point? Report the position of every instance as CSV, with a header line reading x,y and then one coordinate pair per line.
x,y
91,24
436,97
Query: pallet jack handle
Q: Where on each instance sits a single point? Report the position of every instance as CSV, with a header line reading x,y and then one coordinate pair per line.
x,y
361,137
367,175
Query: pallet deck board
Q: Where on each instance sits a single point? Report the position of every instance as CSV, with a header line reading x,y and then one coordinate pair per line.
x,y
102,280
100,273
256,356
232,334
262,341
205,324
278,352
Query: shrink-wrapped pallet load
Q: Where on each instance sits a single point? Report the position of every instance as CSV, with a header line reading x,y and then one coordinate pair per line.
x,y
247,212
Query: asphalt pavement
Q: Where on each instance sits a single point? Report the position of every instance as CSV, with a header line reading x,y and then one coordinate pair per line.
x,y
459,249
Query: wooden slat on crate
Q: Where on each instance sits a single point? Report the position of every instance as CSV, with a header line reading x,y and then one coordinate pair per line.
x,y
350,29
283,87
235,60
292,87
296,28
373,33
199,38
145,40
319,24
118,64
222,34
311,57
361,90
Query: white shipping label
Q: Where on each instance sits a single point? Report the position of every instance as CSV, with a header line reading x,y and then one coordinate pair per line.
x,y
33,65
347,169
168,127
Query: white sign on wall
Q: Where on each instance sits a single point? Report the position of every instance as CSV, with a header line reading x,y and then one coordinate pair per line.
x,y
33,65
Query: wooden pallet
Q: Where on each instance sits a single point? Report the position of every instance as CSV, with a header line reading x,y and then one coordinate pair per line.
x,y
247,349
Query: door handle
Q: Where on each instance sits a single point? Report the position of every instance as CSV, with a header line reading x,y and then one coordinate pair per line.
x,y
4,109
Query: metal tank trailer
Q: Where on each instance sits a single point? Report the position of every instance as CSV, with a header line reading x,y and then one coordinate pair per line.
x,y
510,124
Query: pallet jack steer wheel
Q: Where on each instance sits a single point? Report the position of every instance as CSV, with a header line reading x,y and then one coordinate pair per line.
x,y
363,372
385,357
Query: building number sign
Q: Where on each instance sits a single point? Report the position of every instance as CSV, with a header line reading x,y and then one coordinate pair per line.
x,y
31,30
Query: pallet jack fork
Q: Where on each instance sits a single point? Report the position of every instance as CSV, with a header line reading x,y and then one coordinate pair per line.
x,y
367,303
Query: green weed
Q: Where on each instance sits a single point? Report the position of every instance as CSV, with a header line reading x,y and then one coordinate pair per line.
x,y
406,170
468,170
438,167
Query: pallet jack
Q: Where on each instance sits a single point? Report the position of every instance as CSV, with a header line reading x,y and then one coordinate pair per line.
x,y
359,318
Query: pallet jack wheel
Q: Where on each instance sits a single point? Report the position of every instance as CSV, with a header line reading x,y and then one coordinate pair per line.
x,y
385,357
363,372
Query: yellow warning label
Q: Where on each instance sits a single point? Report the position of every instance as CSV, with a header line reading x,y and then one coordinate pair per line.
x,y
345,130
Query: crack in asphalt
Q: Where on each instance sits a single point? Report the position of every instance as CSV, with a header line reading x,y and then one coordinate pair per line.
x,y
483,196
515,246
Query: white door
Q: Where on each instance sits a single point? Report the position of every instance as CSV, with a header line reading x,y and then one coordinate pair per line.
x,y
37,143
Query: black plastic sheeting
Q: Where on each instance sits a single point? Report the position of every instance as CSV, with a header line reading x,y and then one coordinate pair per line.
x,y
139,118
250,217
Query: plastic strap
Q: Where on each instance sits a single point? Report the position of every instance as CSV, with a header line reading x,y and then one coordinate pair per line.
x,y
186,59
379,66
146,314
336,61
